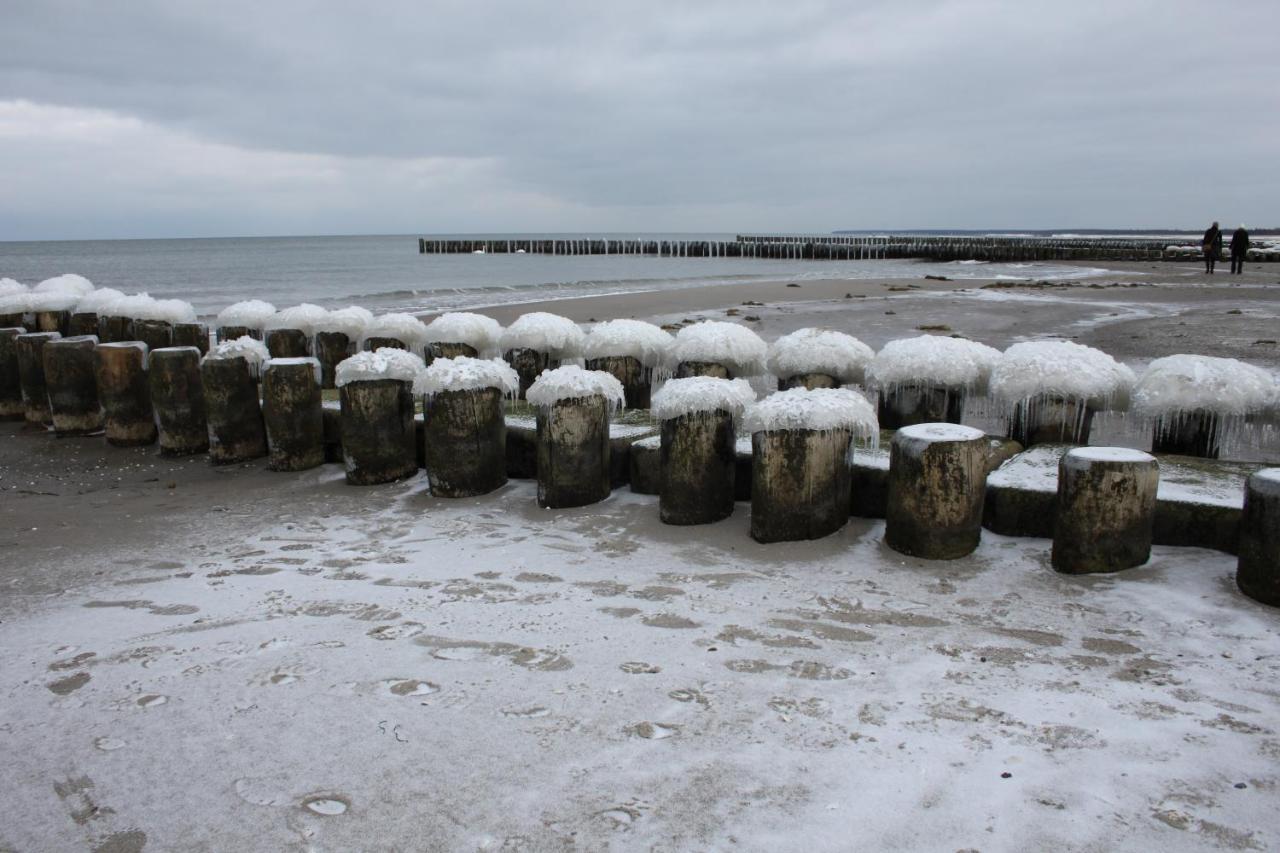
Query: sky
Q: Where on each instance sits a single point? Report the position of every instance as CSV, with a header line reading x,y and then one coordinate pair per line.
x,y
175,118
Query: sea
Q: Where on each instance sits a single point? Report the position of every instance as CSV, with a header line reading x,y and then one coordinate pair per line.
x,y
386,273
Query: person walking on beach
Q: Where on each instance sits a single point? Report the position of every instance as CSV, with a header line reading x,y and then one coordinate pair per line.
x,y
1212,247
1239,249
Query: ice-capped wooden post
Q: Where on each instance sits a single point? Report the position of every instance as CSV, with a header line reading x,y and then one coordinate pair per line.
x,y
818,358
696,454
634,352
243,318
465,433
573,434
156,334
462,334
292,408
15,299
154,319
801,442
927,379
395,331
11,406
1105,511
718,349
287,333
378,433
539,341
937,483
87,317
1258,566
52,301
115,328
72,386
1194,401
336,338
191,335
124,390
1050,390
31,378
177,395
237,432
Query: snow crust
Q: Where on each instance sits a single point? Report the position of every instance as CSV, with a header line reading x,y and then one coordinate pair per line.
x,y
15,302
135,306
558,337
952,363
1184,383
477,331
253,351
736,347
382,363
350,321
1080,457
302,317
1061,369
284,362
571,383
9,286
251,314
405,328
71,283
467,374
927,433
99,301
642,341
51,300
679,397
812,350
817,409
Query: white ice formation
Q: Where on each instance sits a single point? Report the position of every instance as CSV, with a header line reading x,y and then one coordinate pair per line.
x,y
1064,370
467,374
736,347
679,397
477,331
556,336
253,351
302,317
350,321
956,364
645,342
572,383
251,314
819,409
382,363
840,356
405,328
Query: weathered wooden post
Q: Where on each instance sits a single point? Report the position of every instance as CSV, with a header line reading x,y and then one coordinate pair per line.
x,y
717,349
115,328
11,405
1050,390
818,358
177,395
465,432
291,407
85,318
237,432
573,434
73,389
244,318
1194,401
124,389
460,333
537,342
35,391
927,379
937,485
1105,511
156,334
1258,565
800,445
378,433
634,352
287,333
15,299
191,335
51,311
336,337
697,458
395,331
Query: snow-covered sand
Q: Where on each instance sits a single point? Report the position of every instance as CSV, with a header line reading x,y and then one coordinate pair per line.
x,y
237,659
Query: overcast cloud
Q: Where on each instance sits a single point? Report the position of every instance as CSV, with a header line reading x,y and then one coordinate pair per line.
x,y
227,118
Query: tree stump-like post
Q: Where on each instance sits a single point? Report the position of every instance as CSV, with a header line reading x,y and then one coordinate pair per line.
x,y
292,409
156,334
573,452
236,429
177,395
378,433
807,380
627,369
1258,565
937,486
697,462
714,369
442,349
1194,433
192,335
377,342
233,333
287,343
331,349
465,437
908,405
115,329
35,391
72,386
528,365
1051,420
800,483
11,405
53,321
1105,511
83,323
124,390
16,320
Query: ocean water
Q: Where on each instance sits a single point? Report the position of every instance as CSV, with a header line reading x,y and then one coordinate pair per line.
x,y
386,273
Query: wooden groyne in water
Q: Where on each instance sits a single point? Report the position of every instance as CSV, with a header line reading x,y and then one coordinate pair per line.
x,y
848,248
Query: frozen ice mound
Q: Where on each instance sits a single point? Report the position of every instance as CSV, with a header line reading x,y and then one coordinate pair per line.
x,y
382,363
841,356
467,374
253,351
572,383
302,317
350,321
738,348
679,397
1179,384
252,314
477,331
558,337
951,363
1040,369
100,301
71,283
405,328
637,339
821,409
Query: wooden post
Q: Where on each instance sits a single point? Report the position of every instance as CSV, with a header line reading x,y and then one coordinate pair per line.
x,y
11,405
440,349
73,389
236,429
378,431
84,323
291,407
686,369
192,335
465,435
177,395
125,393
573,452
115,329
937,484
287,343
908,405
331,348
35,391
528,365
156,334
800,483
1195,433
808,380
631,373
53,321
697,462
1106,509
378,342
1258,567
1051,420
232,333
